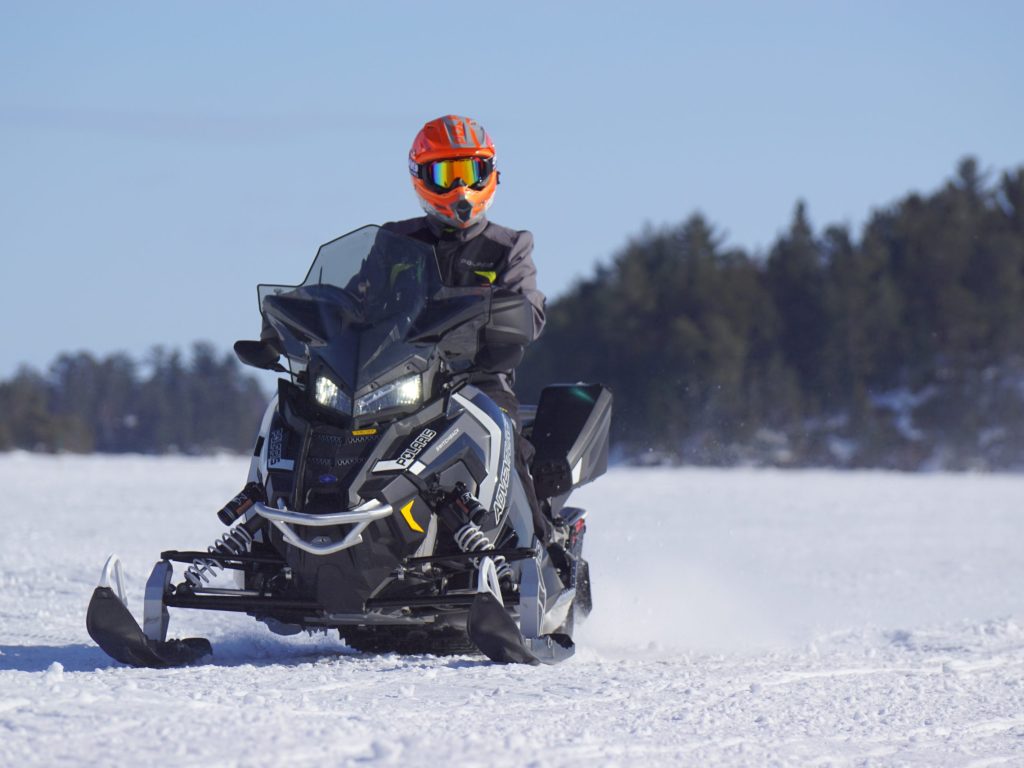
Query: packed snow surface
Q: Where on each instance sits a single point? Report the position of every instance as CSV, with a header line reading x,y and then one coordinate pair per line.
x,y
742,617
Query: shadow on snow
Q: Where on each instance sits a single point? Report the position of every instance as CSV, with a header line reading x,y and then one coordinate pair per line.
x,y
83,657
77,657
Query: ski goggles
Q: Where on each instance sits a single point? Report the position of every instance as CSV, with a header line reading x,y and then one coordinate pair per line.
x,y
446,174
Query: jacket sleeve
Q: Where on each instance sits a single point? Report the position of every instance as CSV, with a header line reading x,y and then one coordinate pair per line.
x,y
520,276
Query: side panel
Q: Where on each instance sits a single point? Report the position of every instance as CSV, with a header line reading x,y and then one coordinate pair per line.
x,y
495,492
570,434
258,465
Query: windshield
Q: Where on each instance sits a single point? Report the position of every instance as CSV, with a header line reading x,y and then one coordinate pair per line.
x,y
385,273
361,295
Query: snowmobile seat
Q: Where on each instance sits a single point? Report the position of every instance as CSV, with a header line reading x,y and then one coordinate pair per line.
x,y
570,433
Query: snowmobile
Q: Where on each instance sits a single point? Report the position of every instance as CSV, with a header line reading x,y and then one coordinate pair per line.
x,y
383,498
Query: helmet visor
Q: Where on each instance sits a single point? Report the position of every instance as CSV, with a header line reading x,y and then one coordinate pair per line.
x,y
446,174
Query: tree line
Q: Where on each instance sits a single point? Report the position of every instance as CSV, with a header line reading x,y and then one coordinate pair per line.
x,y
903,347
167,403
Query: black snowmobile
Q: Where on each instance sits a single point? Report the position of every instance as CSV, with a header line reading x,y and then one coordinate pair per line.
x,y
383,497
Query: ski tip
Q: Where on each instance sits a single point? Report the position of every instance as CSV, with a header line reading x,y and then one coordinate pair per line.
x,y
112,577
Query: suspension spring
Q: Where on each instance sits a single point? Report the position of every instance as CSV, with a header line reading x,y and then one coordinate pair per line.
x,y
469,538
203,570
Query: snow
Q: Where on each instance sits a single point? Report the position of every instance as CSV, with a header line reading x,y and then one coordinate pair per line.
x,y
742,617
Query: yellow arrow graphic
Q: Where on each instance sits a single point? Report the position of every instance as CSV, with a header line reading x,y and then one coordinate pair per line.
x,y
407,514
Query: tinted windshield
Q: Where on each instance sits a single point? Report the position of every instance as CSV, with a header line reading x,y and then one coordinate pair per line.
x,y
384,273
361,294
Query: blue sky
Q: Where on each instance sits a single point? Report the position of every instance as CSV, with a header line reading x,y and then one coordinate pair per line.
x,y
159,160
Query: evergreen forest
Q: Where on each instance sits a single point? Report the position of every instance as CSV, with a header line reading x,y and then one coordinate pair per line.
x,y
899,346
903,347
166,404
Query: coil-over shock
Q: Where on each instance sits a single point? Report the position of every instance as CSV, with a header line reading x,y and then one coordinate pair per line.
x,y
236,541
469,537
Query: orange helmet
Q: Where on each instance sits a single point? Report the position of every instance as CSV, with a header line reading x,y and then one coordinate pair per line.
x,y
452,167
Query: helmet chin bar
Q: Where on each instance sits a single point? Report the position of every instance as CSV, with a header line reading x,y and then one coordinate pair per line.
x,y
452,219
463,210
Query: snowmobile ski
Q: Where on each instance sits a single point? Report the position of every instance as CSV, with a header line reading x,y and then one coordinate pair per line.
x,y
489,625
113,628
495,633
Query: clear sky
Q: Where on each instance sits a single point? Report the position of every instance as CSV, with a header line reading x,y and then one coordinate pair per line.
x,y
159,160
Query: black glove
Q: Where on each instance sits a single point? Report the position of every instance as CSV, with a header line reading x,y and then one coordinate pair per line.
x,y
508,330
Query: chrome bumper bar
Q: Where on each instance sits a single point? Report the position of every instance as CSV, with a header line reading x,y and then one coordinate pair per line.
x,y
359,518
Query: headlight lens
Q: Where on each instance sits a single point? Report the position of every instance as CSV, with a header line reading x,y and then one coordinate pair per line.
x,y
330,396
407,391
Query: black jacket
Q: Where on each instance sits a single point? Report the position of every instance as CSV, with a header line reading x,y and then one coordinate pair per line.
x,y
481,254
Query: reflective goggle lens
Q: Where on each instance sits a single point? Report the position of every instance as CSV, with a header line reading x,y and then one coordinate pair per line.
x,y
470,170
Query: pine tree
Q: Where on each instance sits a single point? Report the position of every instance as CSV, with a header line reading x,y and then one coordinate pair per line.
x,y
796,280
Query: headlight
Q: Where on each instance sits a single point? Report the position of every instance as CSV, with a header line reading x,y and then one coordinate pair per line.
x,y
330,396
407,391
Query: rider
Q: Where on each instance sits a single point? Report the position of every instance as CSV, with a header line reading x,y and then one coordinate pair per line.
x,y
453,172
